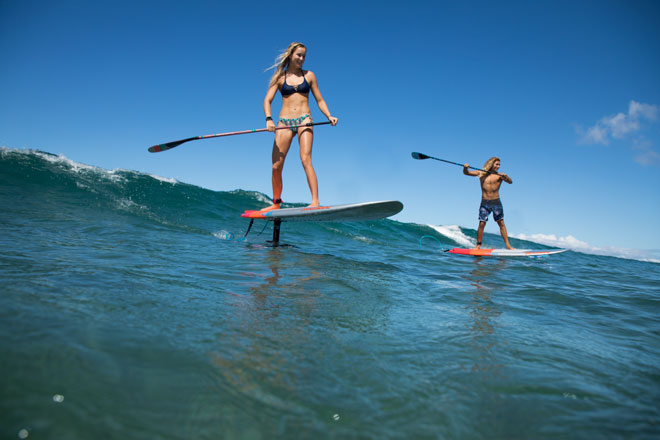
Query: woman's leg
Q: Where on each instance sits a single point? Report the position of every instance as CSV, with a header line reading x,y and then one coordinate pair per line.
x,y
281,147
306,139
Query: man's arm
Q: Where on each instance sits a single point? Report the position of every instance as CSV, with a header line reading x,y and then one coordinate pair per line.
x,y
468,172
506,178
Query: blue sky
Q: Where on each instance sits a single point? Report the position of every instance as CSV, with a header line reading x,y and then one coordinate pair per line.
x,y
566,93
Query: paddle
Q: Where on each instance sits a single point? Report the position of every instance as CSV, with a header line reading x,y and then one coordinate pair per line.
x,y
422,156
170,145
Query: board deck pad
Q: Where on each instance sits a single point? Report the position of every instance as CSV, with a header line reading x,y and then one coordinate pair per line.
x,y
505,252
337,213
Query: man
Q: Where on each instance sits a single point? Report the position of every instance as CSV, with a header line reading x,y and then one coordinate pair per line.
x,y
490,197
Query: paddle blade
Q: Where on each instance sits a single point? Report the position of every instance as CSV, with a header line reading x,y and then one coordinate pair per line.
x,y
419,156
163,147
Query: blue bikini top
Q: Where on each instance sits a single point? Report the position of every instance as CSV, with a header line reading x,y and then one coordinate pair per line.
x,y
303,87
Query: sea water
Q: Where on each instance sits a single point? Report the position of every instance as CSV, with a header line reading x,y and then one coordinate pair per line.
x,y
131,308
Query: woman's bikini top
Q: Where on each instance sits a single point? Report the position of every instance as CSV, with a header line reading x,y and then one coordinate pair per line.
x,y
287,90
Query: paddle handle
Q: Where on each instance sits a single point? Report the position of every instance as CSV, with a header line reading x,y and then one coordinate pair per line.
x,y
169,145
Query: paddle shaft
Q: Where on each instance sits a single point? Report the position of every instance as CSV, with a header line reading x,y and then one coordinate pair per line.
x,y
422,156
170,145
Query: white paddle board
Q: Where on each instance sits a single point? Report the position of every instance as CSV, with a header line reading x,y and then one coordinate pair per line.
x,y
337,213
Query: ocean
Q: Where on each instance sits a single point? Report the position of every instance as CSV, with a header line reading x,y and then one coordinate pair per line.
x,y
132,308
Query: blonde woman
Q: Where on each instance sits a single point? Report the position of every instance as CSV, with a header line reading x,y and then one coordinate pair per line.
x,y
294,84
491,181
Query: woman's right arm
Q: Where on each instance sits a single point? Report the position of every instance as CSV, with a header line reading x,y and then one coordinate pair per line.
x,y
268,100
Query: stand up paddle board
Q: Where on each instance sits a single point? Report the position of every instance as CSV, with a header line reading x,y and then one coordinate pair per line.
x,y
505,252
338,213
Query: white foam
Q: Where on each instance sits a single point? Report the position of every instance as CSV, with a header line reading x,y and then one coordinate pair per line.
x,y
77,167
59,159
73,166
453,232
259,196
363,239
164,179
574,244
224,235
125,204
262,198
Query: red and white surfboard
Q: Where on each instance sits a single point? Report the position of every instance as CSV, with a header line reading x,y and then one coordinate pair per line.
x,y
505,252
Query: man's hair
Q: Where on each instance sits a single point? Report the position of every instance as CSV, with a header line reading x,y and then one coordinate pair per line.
x,y
488,166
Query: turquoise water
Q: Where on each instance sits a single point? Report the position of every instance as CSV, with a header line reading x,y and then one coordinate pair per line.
x,y
128,309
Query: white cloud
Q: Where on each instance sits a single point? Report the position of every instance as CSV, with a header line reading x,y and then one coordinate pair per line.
x,y
595,135
646,155
569,241
574,244
648,158
636,109
620,125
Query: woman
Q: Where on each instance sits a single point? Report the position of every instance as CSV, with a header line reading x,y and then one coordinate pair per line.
x,y
294,84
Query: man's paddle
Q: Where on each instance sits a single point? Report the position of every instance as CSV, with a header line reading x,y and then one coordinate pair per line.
x,y
170,145
422,156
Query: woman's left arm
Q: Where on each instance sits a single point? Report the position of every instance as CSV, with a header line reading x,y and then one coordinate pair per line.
x,y
319,98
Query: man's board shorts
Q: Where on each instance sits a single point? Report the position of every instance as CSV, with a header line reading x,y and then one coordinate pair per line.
x,y
488,206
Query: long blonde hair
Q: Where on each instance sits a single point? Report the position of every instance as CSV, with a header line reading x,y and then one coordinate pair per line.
x,y
282,61
488,166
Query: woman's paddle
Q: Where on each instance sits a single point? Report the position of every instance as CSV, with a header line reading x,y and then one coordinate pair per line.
x,y
422,156
170,145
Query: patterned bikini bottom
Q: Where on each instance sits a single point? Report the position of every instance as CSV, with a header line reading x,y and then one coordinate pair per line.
x,y
295,122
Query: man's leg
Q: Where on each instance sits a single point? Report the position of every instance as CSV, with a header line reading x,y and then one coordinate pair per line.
x,y
505,236
480,234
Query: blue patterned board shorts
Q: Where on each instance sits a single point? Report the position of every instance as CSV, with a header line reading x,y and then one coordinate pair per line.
x,y
488,206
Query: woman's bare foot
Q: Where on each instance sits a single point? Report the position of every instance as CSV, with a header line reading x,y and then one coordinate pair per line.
x,y
276,205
